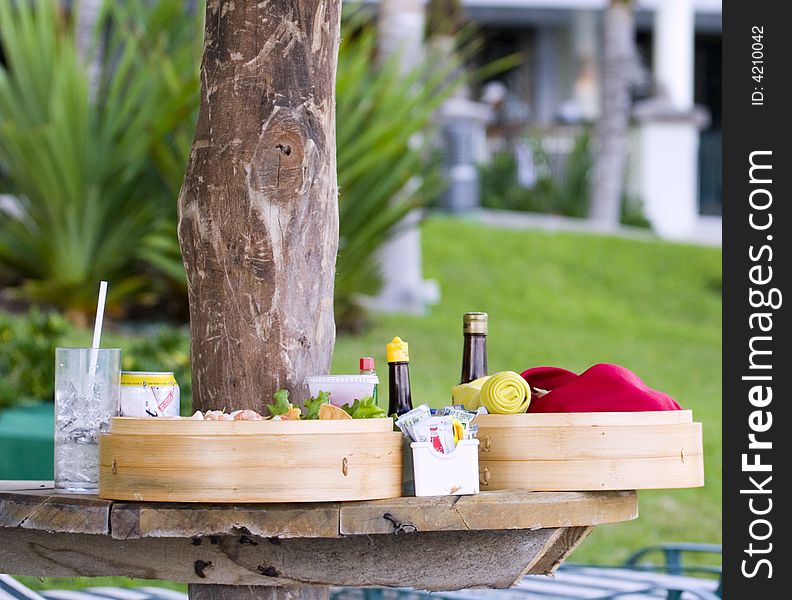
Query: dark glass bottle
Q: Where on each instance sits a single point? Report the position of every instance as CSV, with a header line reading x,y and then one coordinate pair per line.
x,y
474,349
399,395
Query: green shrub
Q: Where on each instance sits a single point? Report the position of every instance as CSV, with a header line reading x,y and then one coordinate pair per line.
x,y
632,213
566,196
27,361
500,187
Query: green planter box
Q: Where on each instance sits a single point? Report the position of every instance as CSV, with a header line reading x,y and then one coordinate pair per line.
x,y
26,442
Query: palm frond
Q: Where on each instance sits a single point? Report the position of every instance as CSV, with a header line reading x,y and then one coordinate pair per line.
x,y
85,165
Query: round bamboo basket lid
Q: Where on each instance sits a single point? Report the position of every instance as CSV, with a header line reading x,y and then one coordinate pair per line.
x,y
590,451
181,460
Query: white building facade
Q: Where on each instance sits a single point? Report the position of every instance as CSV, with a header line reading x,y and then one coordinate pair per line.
x,y
675,166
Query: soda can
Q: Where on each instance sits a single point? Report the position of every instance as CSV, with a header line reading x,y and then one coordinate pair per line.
x,y
149,394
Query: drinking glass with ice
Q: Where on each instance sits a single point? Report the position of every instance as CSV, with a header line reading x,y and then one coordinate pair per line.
x,y
87,395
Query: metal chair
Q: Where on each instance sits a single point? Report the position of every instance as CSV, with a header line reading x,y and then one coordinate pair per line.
x,y
673,562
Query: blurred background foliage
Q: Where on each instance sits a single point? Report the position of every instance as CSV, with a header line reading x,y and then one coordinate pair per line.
x,y
27,366
565,191
97,171
385,168
566,194
89,164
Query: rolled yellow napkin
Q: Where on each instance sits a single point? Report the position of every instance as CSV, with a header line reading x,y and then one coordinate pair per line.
x,y
505,393
467,394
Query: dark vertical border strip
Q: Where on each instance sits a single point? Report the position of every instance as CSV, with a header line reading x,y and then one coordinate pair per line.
x,y
757,127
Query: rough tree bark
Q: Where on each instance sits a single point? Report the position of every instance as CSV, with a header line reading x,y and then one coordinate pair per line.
x,y
611,131
258,213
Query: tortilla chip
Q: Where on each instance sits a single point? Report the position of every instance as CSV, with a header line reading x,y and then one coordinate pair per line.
x,y
292,415
328,412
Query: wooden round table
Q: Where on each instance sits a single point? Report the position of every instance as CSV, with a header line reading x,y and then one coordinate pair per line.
x,y
434,543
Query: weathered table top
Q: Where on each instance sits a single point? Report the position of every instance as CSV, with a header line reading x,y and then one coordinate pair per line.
x,y
445,542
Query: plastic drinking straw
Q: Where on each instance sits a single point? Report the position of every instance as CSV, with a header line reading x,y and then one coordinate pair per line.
x,y
97,336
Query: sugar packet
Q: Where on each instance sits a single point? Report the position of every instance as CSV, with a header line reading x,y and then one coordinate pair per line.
x,y
408,420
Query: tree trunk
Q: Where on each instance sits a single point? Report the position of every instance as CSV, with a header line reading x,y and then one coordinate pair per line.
x,y
258,211
400,31
263,592
87,13
612,128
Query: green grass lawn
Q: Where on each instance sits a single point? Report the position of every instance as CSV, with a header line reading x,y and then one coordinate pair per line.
x,y
573,300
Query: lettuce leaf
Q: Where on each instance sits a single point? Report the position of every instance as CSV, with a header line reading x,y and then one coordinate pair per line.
x,y
364,408
312,405
281,404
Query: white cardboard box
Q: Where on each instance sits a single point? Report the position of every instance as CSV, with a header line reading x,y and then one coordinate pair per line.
x,y
455,474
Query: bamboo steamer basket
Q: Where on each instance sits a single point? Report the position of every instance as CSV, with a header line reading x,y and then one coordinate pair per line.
x,y
183,460
590,451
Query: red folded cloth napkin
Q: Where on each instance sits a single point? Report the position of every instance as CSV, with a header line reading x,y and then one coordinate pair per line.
x,y
602,388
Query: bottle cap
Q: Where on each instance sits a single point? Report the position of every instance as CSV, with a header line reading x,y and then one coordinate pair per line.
x,y
397,351
474,322
366,363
